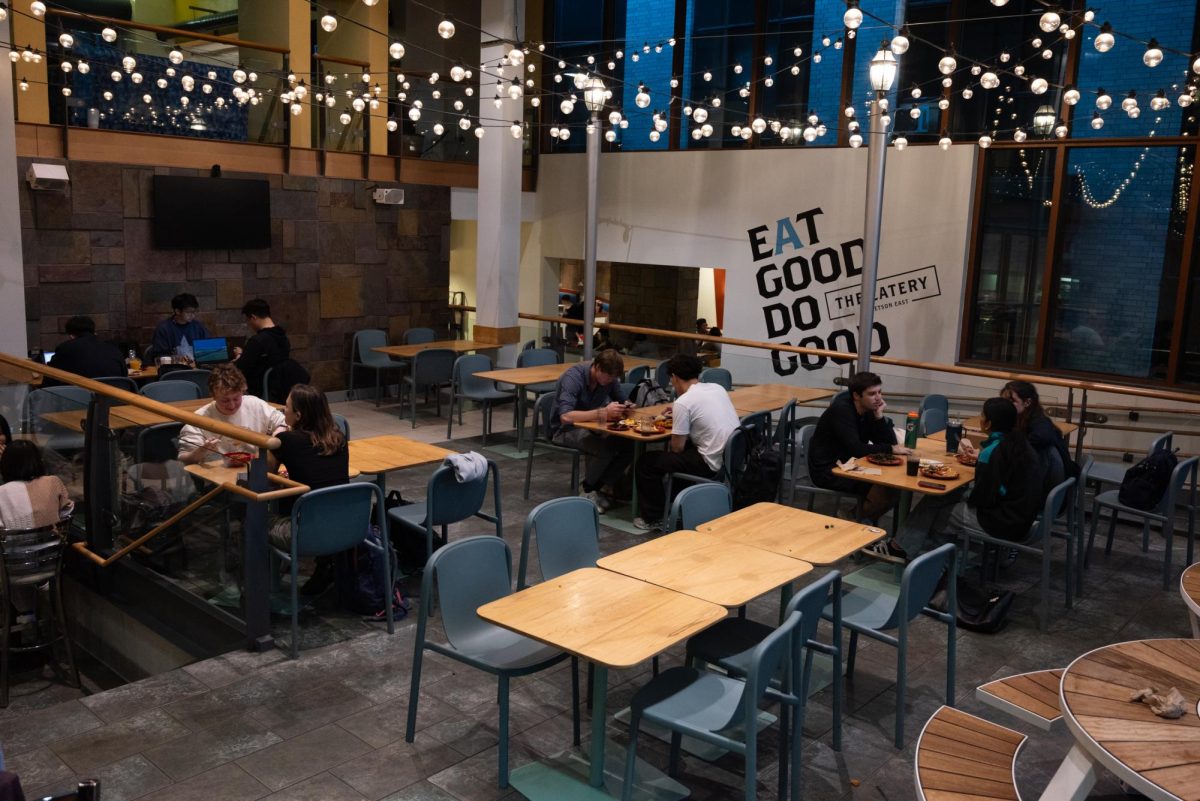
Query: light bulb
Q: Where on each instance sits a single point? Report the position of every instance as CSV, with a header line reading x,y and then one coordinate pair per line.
x,y
445,28
706,130
37,8
737,69
115,75
329,23
1184,100
999,3
396,50
1071,96
566,107
1097,121
464,123
853,17
457,73
700,115
943,103
610,135
67,66
175,56
900,143
1050,21
1104,40
24,85
976,69
707,76
655,136
614,118
759,125
83,68
967,93
3,12
642,99
515,92
297,109
985,142
947,82
1103,100
414,113
187,82
900,43
128,63
1039,86
515,129
1153,55
661,124
947,65
108,35
915,112
516,56
855,140
438,129
344,118
1060,131
66,90
358,104
1159,102
66,40
480,130
989,80
1130,101
944,143
735,130
239,75
1019,135
1196,65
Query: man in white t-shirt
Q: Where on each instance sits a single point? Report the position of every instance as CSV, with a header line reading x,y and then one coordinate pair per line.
x,y
230,405
703,419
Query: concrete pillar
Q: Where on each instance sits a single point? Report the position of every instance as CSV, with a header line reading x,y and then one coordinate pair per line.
x,y
498,270
12,267
33,104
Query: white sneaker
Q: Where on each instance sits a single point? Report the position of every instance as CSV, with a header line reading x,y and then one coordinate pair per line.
x,y
641,524
598,500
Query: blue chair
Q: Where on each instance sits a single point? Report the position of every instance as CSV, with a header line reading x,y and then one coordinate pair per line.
x,y
1114,472
362,355
328,521
934,401
872,613
759,421
733,457
1163,515
543,409
698,504
662,377
717,375
467,574
637,374
119,382
343,424
728,645
804,483
419,336
567,532
713,708
171,390
932,421
197,377
54,399
157,443
446,502
465,385
431,369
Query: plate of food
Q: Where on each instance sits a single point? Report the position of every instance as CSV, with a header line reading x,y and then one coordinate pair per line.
x,y
968,461
237,458
942,471
885,459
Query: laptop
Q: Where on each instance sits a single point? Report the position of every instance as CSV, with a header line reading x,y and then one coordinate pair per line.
x,y
211,351
47,356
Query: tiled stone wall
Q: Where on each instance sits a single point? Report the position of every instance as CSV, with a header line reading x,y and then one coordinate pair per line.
x,y
654,296
337,263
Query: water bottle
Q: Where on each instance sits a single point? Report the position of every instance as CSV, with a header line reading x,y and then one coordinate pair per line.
x,y
954,430
911,424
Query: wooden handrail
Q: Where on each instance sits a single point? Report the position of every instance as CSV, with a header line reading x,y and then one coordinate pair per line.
x,y
350,62
142,402
1000,375
102,561
173,32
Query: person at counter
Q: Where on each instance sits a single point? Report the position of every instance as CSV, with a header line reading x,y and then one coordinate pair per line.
x,y
592,391
266,348
229,405
179,332
84,354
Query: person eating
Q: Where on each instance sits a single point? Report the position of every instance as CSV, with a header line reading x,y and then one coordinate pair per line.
x,y
230,404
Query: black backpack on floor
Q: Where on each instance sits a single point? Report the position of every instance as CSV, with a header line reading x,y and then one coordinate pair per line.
x,y
1146,482
757,478
979,609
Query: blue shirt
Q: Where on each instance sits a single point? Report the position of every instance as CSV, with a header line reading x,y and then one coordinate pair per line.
x,y
575,395
168,334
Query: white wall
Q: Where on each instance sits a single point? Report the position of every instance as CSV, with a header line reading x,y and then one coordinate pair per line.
x,y
12,271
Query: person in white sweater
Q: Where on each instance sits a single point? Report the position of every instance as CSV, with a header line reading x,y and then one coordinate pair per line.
x,y
28,497
231,405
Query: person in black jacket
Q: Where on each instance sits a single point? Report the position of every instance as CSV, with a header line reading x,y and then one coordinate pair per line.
x,y
854,426
84,354
5,434
1005,498
266,348
1043,435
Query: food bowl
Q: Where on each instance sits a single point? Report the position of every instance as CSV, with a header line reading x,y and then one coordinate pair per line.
x,y
237,458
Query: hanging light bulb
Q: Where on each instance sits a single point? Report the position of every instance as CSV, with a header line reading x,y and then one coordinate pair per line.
x,y
642,98
344,118
999,3
661,124
1097,121
108,35
1071,96
465,123
67,66
438,129
1061,131
699,115
900,143
566,107
758,125
515,129
853,16
985,141
24,85
1130,102
1019,135
3,12
947,64
1159,102
83,68
944,143
967,93
1184,100
66,40
610,135
901,42
855,140
1104,40
989,80
446,28
457,73
188,83
298,109
396,50
515,92
358,104
1050,21
1039,86
1153,55
480,131
115,75
239,75
915,112
128,63
175,56
707,76
655,136
329,23
37,8
1103,99
614,118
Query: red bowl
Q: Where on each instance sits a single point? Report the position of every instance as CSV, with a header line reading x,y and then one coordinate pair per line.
x,y
238,458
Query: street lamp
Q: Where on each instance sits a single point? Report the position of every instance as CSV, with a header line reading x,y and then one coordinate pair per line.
x,y
595,93
1043,120
882,75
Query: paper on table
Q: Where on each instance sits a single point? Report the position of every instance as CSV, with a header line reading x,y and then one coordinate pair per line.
x,y
851,465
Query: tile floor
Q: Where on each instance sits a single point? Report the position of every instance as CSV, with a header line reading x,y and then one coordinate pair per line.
x,y
329,725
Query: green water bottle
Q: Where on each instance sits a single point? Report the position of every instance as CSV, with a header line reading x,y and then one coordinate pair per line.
x,y
910,430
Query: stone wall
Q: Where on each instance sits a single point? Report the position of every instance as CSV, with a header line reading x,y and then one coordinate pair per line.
x,y
654,296
337,263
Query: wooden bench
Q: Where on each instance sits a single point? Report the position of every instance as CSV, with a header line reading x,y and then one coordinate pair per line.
x,y
1189,588
1032,697
964,758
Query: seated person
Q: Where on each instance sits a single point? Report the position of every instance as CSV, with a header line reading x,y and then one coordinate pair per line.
x,y
1005,498
84,354
643,347
180,330
1043,435
313,451
703,419
266,348
5,434
592,391
29,498
854,426
229,405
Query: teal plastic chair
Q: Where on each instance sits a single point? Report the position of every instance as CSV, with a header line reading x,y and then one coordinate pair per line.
x,y
543,409
699,504
431,369
733,457
447,502
119,382
534,357
805,485
466,574
729,645
760,422
717,375
466,386
157,443
713,708
935,401
932,421
1163,515
1114,472
197,377
637,374
419,336
661,376
171,390
343,424
363,356
874,614
331,520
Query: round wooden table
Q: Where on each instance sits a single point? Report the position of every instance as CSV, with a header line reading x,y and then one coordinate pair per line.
x,y
1189,588
1159,758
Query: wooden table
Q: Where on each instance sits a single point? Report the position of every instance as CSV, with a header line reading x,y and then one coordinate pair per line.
x,y
378,456
607,618
521,377
973,430
1159,758
773,397
707,566
897,476
1189,588
639,440
456,345
796,533
145,374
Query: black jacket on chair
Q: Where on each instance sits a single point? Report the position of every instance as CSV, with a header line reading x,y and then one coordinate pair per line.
x,y
87,356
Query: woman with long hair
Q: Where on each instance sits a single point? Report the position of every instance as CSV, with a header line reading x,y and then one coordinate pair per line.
x,y
1039,429
29,498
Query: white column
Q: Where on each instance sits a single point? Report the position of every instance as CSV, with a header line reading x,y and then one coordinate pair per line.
x,y
12,270
498,266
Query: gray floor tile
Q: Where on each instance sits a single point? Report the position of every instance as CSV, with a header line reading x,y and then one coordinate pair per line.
x,y
322,787
302,756
228,783
230,738
24,733
396,766
130,778
143,696
85,753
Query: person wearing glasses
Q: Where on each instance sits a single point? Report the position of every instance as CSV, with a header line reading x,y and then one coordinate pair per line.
x,y
180,331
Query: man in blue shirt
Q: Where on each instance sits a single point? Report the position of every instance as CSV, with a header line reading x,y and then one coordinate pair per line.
x,y
182,324
591,391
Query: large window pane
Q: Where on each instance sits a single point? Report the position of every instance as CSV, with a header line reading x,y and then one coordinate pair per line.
x,y
929,39
789,28
582,30
1189,356
1121,232
1012,245
720,37
650,24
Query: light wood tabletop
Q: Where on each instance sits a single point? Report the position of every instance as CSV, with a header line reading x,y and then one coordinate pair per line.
x,y
1158,757
773,397
602,616
707,566
523,376
135,415
375,455
898,478
644,413
972,430
73,419
798,533
456,345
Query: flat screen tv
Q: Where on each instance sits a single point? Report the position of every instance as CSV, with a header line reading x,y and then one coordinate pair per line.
x,y
211,213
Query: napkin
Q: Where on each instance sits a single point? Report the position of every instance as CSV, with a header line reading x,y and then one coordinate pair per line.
x,y
851,465
1169,705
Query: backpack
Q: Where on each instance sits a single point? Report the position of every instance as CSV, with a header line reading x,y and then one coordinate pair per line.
x,y
757,478
1146,482
647,393
978,609
360,574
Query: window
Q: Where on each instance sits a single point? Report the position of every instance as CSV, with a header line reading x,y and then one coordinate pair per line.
x,y
581,30
789,28
718,63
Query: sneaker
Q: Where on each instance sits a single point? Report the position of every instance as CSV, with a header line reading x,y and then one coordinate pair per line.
x,y
642,524
598,500
886,550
